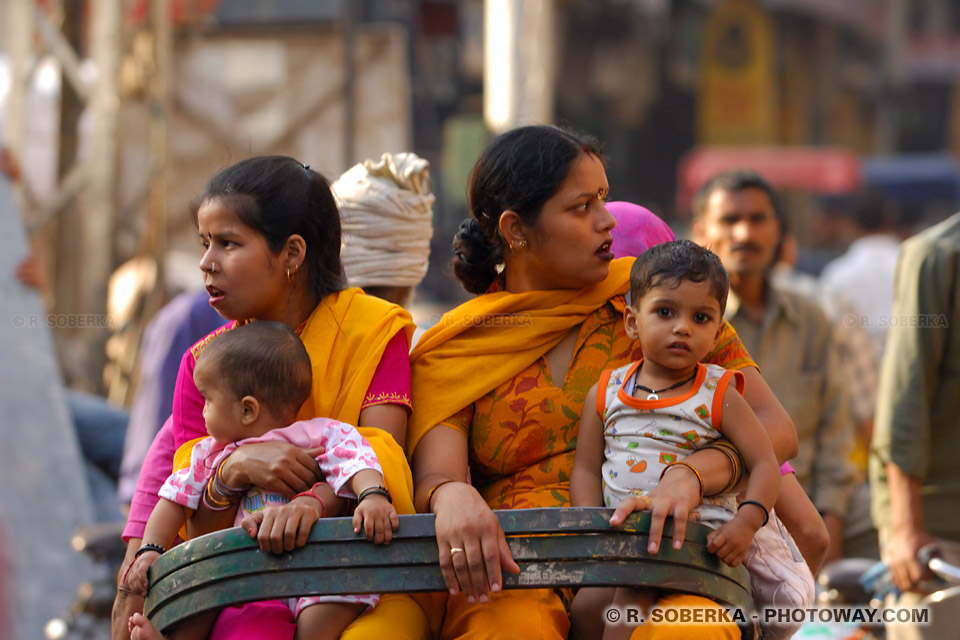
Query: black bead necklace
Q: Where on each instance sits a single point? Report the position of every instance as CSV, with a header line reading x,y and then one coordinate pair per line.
x,y
654,392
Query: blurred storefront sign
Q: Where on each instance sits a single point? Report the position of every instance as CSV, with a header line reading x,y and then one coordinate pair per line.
x,y
829,171
933,59
737,93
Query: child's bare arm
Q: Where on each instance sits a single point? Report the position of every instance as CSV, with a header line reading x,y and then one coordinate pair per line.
x,y
803,521
586,488
161,530
164,523
741,427
375,513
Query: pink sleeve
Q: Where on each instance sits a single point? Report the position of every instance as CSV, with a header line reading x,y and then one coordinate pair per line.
x,y
157,466
391,381
345,453
187,404
185,424
786,468
186,486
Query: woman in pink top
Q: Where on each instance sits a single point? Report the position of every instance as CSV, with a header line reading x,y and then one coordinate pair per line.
x,y
270,232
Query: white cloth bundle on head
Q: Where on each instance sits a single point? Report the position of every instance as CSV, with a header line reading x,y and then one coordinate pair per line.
x,y
386,209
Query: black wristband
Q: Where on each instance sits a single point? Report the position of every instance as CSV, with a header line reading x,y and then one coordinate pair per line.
x,y
148,547
766,513
375,490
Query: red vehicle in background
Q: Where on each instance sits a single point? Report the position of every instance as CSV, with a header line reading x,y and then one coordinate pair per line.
x,y
815,170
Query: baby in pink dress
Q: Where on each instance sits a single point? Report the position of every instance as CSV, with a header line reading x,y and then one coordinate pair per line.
x,y
253,380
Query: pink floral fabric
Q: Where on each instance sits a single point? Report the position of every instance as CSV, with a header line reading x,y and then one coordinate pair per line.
x,y
346,452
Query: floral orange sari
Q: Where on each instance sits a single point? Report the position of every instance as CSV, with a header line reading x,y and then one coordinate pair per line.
x,y
522,427
523,435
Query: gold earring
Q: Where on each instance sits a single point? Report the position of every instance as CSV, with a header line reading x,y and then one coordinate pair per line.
x,y
290,275
522,244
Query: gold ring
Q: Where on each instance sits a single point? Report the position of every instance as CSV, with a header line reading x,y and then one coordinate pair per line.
x,y
455,550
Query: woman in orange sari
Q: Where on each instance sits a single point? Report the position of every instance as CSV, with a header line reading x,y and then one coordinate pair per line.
x,y
507,372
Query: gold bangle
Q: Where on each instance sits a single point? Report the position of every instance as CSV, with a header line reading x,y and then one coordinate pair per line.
x,y
222,487
213,501
432,489
736,465
688,466
732,459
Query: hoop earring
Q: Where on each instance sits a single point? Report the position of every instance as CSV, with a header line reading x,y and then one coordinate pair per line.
x,y
289,276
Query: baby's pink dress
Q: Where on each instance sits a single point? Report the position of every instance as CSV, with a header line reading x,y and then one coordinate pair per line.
x,y
345,453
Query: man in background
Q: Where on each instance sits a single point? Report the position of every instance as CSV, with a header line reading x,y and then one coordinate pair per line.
x,y
737,216
914,473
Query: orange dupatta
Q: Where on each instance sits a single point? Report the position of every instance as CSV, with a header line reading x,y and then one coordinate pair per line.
x,y
486,341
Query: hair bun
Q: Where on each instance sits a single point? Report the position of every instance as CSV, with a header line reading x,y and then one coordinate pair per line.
x,y
475,257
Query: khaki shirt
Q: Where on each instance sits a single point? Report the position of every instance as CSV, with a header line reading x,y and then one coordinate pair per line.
x,y
793,345
917,423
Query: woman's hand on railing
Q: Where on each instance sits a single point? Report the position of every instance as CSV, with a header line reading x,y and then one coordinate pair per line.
x,y
471,543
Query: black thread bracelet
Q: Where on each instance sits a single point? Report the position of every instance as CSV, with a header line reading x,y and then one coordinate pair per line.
x,y
148,547
379,490
766,512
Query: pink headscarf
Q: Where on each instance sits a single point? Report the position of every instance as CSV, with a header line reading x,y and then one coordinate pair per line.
x,y
637,229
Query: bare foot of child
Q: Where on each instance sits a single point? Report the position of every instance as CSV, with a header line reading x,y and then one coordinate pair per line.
x,y
141,629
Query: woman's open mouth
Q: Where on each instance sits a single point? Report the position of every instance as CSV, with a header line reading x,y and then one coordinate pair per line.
x,y
604,252
216,295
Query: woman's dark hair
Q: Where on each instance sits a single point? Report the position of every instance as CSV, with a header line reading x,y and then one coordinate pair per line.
x,y
670,263
265,360
277,197
520,170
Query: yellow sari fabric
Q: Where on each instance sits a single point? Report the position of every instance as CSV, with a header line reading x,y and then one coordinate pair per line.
x,y
346,336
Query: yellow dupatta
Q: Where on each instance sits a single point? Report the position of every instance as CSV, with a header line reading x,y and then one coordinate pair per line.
x,y
346,336
488,340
